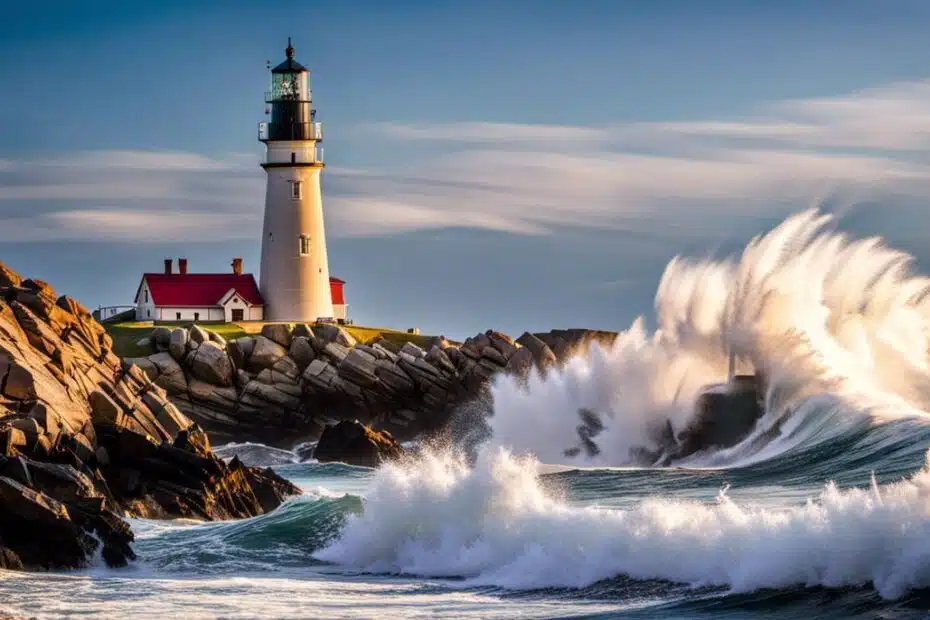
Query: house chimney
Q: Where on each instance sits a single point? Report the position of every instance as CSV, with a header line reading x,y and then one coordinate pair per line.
x,y
182,266
237,266
168,266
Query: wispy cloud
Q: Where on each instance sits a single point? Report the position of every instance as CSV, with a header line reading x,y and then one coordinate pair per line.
x,y
130,196
674,177
535,178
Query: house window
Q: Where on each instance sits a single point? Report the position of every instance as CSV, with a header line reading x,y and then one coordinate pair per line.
x,y
146,296
295,190
305,245
238,314
148,314
177,316
196,316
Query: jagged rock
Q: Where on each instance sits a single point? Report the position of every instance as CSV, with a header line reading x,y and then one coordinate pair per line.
x,y
198,335
144,364
319,375
542,354
170,374
394,379
167,414
177,344
265,353
353,443
438,358
301,351
215,337
20,383
301,330
384,353
285,370
493,354
8,277
161,339
412,350
84,436
240,350
211,364
327,333
521,362
359,368
279,333
258,394
335,352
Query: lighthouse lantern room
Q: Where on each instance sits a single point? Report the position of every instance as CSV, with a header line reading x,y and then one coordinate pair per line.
x,y
294,278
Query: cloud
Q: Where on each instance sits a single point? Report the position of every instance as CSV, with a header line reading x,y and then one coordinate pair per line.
x,y
675,178
144,196
494,133
869,145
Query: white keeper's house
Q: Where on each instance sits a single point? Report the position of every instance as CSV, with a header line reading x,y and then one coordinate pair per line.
x,y
210,297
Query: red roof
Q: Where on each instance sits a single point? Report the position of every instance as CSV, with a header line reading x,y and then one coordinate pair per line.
x,y
200,289
206,289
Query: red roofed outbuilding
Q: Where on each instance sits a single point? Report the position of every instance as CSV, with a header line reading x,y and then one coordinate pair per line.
x,y
206,297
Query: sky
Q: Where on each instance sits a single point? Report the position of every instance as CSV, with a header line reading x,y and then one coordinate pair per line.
x,y
513,166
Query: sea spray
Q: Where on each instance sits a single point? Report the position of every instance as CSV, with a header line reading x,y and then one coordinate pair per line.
x,y
496,524
823,316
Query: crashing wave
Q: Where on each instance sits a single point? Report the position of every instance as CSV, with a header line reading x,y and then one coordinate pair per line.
x,y
496,524
820,315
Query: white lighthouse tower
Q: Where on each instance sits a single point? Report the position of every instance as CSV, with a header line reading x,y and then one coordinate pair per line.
x,y
294,277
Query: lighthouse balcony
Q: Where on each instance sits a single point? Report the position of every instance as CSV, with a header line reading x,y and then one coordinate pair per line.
x,y
290,131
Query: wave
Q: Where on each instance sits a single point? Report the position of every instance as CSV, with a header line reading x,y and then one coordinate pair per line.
x,y
257,454
839,328
497,524
280,540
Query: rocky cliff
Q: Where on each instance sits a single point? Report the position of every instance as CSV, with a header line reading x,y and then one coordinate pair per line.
x,y
285,385
86,441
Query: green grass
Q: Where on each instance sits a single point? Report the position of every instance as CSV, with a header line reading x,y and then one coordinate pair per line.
x,y
125,335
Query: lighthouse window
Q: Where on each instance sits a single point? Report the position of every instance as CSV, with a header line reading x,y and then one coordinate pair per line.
x,y
304,245
295,190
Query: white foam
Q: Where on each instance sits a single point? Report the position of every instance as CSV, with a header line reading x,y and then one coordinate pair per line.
x,y
822,315
496,525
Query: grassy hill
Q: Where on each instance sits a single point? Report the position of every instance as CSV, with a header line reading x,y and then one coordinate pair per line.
x,y
126,335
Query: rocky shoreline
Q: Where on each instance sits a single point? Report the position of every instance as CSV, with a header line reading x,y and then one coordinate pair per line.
x,y
86,441
284,386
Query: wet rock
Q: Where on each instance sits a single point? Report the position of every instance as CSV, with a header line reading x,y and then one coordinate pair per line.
x,y
356,444
85,438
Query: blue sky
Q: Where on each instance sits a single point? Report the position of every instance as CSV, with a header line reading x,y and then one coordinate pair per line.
x,y
526,166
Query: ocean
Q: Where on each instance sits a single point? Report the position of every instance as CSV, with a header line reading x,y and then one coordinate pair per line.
x,y
823,511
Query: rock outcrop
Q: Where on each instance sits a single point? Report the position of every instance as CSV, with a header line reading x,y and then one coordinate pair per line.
x,y
287,384
86,440
356,444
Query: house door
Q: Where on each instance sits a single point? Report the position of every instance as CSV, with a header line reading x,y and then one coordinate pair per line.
x,y
238,314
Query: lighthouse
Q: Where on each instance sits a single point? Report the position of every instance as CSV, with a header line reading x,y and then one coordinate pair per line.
x,y
294,277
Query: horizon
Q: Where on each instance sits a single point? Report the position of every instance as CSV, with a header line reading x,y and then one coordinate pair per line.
x,y
481,158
